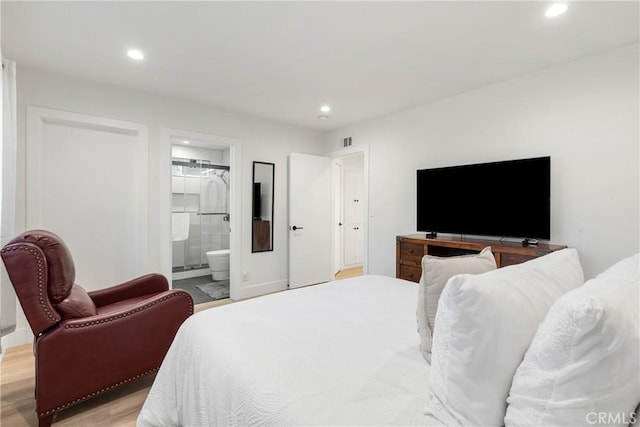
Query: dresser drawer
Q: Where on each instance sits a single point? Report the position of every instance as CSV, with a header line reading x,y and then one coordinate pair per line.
x,y
411,254
511,259
410,273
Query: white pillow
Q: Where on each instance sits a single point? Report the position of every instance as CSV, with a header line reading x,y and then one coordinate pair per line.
x,y
584,361
436,271
485,325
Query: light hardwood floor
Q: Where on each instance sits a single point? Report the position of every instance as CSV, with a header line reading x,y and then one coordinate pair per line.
x,y
119,407
349,272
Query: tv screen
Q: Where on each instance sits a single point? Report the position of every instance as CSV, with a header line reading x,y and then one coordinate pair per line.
x,y
257,211
503,199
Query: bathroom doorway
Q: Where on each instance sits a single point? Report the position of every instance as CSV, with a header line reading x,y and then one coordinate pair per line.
x,y
200,230
200,252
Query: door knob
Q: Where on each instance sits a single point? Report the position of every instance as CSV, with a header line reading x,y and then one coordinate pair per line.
x,y
340,224
294,228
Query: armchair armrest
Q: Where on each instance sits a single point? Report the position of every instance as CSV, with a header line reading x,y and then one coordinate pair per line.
x,y
144,285
128,344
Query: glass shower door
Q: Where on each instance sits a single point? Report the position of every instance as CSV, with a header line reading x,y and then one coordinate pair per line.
x,y
187,177
200,189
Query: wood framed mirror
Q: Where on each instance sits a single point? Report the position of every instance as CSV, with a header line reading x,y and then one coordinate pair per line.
x,y
262,207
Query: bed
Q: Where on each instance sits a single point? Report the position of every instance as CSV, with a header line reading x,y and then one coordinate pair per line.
x,y
525,345
341,353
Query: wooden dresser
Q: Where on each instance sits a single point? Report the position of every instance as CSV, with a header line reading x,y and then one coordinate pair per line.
x,y
411,248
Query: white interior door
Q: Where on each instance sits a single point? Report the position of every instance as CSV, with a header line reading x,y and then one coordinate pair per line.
x,y
309,219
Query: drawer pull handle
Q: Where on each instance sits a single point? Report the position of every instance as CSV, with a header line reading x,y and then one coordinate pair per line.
x,y
410,274
411,251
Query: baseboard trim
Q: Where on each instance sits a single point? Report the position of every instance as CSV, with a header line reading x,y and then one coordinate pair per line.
x,y
261,289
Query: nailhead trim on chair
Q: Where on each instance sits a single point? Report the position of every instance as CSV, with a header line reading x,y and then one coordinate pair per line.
x,y
40,263
88,396
129,313
109,319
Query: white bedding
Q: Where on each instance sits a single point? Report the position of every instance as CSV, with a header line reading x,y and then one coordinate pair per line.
x,y
341,353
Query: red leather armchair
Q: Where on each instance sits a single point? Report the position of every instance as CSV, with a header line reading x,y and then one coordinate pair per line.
x,y
88,343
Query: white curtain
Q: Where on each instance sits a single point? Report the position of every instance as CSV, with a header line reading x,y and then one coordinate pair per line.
x,y
8,186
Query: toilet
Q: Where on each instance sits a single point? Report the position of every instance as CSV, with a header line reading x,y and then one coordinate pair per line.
x,y
219,264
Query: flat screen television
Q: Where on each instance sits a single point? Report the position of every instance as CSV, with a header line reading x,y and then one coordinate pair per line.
x,y
256,203
504,199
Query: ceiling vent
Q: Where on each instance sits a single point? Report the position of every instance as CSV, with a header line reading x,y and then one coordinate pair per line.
x,y
346,142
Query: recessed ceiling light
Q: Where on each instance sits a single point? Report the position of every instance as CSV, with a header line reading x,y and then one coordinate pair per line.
x,y
323,117
325,108
185,142
135,54
555,10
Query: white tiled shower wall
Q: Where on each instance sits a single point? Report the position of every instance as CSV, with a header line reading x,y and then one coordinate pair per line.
x,y
206,232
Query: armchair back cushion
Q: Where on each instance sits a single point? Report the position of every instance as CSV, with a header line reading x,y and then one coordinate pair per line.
x,y
77,304
61,271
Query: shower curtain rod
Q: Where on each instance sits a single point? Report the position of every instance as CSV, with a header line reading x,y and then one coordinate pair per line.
x,y
202,165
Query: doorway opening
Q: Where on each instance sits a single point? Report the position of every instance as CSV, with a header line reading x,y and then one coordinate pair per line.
x,y
200,232
349,214
317,218
203,208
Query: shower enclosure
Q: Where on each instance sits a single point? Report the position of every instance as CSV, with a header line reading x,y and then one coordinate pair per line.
x,y
200,200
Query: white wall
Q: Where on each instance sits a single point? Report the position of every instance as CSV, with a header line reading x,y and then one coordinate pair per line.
x,y
261,139
584,114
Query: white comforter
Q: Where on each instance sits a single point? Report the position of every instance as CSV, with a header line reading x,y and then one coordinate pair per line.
x,y
341,353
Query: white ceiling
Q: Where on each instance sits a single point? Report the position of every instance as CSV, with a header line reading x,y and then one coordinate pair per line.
x,y
282,60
